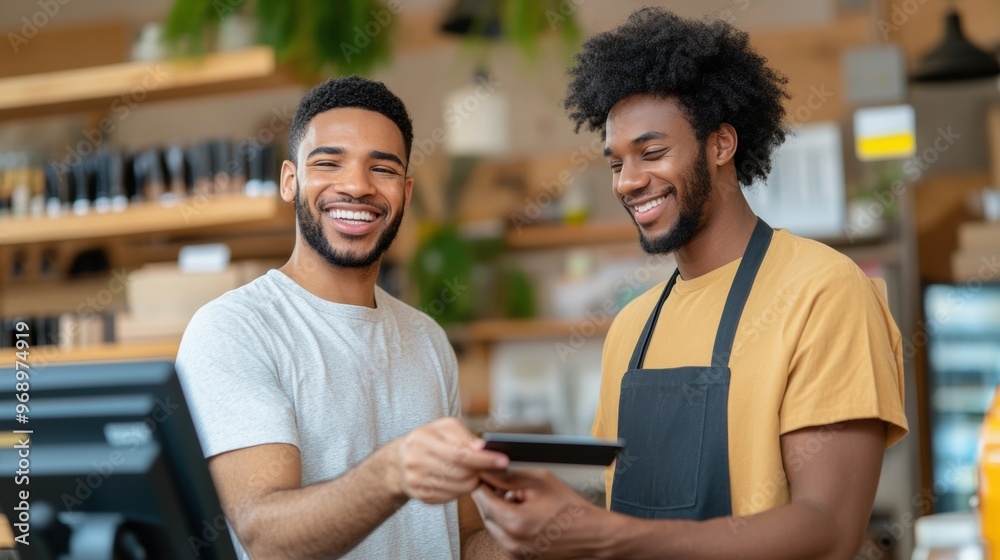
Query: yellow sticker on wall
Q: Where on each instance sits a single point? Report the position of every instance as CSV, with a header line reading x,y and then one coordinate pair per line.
x,y
885,133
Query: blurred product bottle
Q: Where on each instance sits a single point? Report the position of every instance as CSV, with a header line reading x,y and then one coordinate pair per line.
x,y
989,479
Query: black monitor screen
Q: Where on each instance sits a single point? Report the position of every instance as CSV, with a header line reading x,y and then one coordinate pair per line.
x,y
111,467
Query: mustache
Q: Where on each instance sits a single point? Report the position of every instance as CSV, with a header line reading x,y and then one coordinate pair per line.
x,y
629,198
351,200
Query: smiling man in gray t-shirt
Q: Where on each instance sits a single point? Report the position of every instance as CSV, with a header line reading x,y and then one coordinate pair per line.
x,y
327,407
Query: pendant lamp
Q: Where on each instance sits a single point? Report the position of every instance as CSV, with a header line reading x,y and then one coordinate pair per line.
x,y
474,17
956,58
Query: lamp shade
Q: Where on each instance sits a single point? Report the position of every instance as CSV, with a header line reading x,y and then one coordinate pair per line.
x,y
955,58
474,17
477,119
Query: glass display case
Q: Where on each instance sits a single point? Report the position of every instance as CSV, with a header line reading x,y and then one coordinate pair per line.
x,y
962,330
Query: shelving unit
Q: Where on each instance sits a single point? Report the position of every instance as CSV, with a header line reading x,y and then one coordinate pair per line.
x,y
499,330
166,350
98,88
142,232
141,218
558,236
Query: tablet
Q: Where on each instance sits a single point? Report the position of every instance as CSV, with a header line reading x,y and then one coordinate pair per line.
x,y
570,450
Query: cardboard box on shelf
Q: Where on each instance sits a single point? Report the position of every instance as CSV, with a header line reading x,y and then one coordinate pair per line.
x,y
983,236
161,290
976,265
129,329
162,299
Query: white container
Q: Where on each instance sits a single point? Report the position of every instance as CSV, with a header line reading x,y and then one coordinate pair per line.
x,y
948,536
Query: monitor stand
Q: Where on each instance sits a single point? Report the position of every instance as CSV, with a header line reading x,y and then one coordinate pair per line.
x,y
100,536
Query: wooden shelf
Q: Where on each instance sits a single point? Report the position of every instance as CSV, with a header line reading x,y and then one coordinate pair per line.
x,y
562,236
41,355
149,217
559,236
104,87
498,330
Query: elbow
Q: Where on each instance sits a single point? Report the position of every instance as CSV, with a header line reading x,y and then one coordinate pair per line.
x,y
846,541
251,528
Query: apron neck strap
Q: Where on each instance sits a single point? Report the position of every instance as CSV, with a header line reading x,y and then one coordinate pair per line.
x,y
739,292
736,300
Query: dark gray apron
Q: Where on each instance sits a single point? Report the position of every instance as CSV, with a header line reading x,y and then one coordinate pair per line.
x,y
675,421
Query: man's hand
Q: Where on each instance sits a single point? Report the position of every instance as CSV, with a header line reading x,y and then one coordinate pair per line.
x,y
532,514
442,460
832,472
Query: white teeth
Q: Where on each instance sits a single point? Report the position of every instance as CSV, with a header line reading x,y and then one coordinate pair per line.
x,y
338,214
650,205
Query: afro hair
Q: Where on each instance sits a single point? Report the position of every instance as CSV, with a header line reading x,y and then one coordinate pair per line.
x,y
351,91
708,66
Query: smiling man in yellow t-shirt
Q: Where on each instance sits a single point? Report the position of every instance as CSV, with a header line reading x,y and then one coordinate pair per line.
x,y
756,389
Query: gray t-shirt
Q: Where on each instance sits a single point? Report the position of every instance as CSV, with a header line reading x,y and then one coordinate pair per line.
x,y
272,363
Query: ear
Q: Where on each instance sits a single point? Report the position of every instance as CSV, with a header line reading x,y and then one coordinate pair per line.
x,y
407,192
722,145
287,181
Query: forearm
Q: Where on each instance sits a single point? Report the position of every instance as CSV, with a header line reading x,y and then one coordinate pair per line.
x,y
787,532
324,519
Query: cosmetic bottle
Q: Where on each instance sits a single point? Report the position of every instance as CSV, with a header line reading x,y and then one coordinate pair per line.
x,y
175,170
116,181
237,167
154,186
55,190
37,206
135,177
221,177
80,187
102,183
20,194
269,185
255,169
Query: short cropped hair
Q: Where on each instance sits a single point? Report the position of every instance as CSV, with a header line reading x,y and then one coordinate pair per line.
x,y
351,91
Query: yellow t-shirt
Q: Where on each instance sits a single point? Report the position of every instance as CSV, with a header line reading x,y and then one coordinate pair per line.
x,y
815,345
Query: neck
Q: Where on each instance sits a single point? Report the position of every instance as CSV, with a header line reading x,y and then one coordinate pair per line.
x,y
351,286
723,237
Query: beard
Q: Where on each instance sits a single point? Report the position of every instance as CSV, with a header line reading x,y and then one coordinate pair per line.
x,y
311,228
691,209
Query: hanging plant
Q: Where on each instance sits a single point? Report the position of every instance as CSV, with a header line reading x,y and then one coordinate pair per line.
x,y
316,38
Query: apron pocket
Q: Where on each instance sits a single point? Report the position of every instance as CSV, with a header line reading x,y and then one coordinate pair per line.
x,y
662,416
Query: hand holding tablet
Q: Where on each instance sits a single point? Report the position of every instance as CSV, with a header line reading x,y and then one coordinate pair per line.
x,y
569,450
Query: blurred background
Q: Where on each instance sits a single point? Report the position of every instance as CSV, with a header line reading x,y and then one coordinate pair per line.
x,y
140,141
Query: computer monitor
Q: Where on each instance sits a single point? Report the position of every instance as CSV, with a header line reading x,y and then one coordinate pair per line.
x,y
112,469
